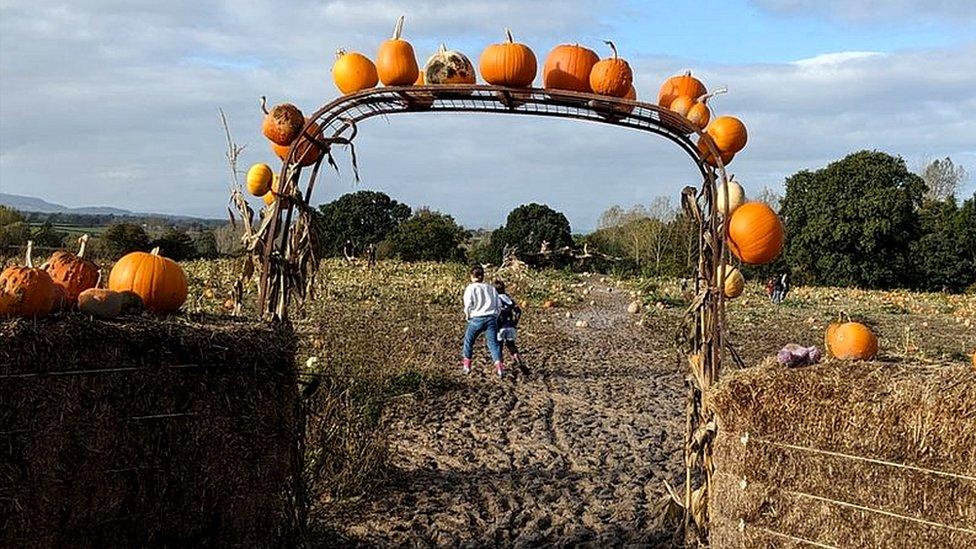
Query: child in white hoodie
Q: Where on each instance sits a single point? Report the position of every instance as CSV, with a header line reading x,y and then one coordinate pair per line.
x,y
481,312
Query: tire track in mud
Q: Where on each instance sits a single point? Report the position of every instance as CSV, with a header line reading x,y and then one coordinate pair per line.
x,y
576,454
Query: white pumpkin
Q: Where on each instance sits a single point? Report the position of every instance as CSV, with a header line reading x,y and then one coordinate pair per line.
x,y
737,196
732,281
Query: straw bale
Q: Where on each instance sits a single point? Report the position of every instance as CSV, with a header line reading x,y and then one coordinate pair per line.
x,y
177,431
846,455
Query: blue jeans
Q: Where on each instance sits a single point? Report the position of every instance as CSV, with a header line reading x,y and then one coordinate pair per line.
x,y
489,325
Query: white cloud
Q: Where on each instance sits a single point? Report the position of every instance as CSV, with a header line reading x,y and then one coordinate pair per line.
x,y
869,11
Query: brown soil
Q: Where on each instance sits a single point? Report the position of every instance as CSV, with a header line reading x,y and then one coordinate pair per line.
x,y
574,454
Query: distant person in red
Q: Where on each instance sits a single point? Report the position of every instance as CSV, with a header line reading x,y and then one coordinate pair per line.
x,y
770,287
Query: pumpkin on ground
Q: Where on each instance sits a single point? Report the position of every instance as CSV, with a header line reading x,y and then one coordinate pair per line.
x,y
396,63
736,196
755,233
611,76
728,133
731,281
283,123
108,304
158,280
27,291
73,273
353,72
568,67
695,110
851,341
259,178
307,152
682,85
449,67
508,64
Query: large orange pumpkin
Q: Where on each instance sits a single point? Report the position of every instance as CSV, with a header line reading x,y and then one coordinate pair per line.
x,y
396,63
728,133
259,179
677,86
28,291
611,76
508,64
307,152
851,341
158,280
755,233
283,123
73,273
353,72
568,67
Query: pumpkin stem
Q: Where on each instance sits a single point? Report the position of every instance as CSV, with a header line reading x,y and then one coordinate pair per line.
x,y
83,240
508,33
339,53
443,49
155,251
704,98
28,261
612,47
687,72
264,104
398,29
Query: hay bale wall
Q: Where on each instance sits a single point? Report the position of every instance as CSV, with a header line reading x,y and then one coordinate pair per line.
x,y
147,433
845,455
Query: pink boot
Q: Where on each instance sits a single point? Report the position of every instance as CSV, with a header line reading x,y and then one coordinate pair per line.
x,y
500,368
466,366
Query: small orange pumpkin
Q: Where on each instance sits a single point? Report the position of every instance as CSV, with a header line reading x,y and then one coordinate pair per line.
x,y
851,341
307,152
27,291
420,79
508,64
695,110
259,178
755,233
353,72
158,280
725,156
283,123
677,86
108,304
611,76
632,96
396,63
568,67
73,273
728,133
449,67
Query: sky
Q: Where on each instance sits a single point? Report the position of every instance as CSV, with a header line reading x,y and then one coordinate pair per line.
x,y
113,103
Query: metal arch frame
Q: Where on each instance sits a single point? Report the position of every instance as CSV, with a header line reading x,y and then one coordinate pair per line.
x,y
705,339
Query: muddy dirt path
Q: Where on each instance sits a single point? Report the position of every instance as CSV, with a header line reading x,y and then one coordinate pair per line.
x,y
575,454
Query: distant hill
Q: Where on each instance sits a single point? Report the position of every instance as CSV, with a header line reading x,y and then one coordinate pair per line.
x,y
39,205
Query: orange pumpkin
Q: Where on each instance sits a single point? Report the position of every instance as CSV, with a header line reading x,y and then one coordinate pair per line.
x,y
728,133
158,280
353,72
420,79
755,233
695,110
270,196
396,63
27,291
677,86
283,123
508,64
108,304
307,153
725,156
568,67
259,178
449,67
632,96
73,273
611,76
851,341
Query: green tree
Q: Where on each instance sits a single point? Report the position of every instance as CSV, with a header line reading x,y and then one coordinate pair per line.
x,y
945,255
529,226
46,235
428,236
851,223
361,218
205,244
14,230
122,238
176,245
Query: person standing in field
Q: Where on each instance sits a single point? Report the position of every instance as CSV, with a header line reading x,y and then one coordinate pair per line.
x,y
481,312
509,314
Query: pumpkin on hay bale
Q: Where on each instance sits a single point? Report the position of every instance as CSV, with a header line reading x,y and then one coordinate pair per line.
x,y
158,280
28,291
880,456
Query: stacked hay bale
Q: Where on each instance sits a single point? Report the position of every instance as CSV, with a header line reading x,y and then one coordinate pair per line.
x,y
845,455
152,432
